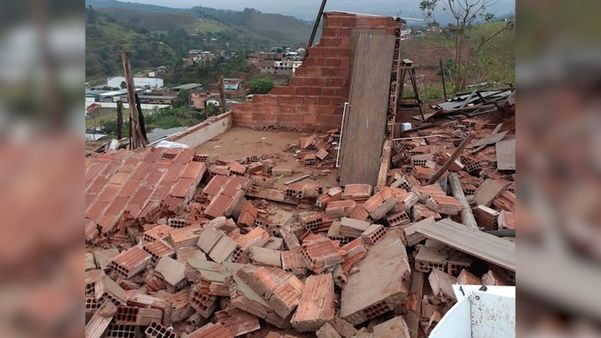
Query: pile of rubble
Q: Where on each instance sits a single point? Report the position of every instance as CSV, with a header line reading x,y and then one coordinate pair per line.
x,y
317,151
181,244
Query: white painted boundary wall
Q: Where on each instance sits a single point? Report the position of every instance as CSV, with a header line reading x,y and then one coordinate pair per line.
x,y
145,106
204,131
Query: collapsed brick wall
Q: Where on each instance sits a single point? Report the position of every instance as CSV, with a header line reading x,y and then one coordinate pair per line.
x,y
315,97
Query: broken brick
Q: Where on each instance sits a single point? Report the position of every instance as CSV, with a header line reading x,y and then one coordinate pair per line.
x,y
316,305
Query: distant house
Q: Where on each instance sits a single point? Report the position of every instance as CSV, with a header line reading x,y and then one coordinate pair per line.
x,y
287,67
199,100
257,59
140,82
157,99
113,96
157,72
292,56
187,86
232,84
202,56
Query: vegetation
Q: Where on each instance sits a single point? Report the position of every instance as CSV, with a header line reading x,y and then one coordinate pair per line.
x,y
152,21
467,14
276,29
232,66
105,39
261,85
159,118
207,25
161,36
173,117
182,99
211,110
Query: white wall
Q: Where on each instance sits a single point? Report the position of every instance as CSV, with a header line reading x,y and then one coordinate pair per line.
x,y
153,82
204,131
145,106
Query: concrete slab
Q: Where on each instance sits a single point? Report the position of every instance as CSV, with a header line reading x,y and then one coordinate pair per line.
x,y
380,283
173,271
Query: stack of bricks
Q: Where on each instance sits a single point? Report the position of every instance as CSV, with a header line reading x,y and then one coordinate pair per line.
x,y
315,97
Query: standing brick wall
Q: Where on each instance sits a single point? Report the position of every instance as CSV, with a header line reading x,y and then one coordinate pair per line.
x,y
315,97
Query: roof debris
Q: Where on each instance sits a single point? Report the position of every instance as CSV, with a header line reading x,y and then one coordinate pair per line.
x,y
185,244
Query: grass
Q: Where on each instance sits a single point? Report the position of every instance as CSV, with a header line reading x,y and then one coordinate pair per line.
x,y
209,26
164,118
173,117
493,62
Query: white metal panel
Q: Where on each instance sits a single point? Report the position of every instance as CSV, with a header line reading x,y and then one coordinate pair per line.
x,y
455,323
492,316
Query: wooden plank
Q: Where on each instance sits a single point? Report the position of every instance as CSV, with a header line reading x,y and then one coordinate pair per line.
x,y
476,243
384,163
417,292
294,180
487,192
506,155
494,138
365,124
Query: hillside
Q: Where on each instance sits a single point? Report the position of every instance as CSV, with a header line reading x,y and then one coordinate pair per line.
x,y
106,38
161,36
279,29
152,21
271,29
97,4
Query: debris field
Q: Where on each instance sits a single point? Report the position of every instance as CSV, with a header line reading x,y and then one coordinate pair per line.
x,y
181,244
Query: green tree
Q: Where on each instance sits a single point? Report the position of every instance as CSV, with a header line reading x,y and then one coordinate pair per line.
x,y
182,99
212,110
465,14
260,85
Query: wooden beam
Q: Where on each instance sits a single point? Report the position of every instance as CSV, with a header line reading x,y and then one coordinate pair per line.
x,y
294,180
316,25
222,94
417,292
137,138
385,163
444,86
452,159
467,217
119,119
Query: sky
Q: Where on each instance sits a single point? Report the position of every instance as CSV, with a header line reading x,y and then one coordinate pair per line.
x,y
307,9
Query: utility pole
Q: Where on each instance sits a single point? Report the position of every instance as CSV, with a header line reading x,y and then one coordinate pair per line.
x,y
136,135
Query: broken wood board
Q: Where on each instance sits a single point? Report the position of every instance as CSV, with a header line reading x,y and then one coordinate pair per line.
x,y
414,315
385,163
426,116
506,154
487,192
475,243
491,139
364,126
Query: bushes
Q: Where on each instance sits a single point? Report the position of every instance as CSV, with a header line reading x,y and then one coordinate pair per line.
x,y
172,117
260,85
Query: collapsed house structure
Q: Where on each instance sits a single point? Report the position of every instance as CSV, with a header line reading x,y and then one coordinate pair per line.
x,y
184,243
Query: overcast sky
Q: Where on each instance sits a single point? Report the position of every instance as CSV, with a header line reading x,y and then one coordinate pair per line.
x,y
307,9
